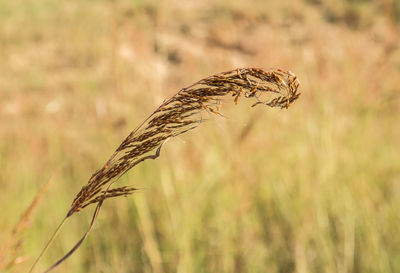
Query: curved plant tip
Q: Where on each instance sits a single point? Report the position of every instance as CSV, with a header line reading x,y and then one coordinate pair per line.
x,y
177,115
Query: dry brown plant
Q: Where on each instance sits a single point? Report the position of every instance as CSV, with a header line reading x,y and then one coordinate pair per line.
x,y
177,115
10,252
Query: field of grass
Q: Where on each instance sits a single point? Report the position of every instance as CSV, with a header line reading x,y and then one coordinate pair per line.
x,y
314,188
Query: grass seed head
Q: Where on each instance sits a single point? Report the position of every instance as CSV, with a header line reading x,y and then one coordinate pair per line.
x,y
181,113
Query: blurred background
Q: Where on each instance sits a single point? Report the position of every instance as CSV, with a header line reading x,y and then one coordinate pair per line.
x,y
315,188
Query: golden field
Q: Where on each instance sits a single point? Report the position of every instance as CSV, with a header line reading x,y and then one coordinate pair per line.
x,y
314,188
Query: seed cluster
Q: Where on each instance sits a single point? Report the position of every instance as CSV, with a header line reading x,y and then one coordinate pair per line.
x,y
181,113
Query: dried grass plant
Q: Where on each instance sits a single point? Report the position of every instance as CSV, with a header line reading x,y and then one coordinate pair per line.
x,y
10,252
177,115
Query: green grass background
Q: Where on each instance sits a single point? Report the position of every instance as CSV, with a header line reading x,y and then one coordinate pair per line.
x,y
315,188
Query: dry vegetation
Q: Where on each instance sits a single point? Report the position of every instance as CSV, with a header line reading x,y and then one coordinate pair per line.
x,y
311,189
10,249
174,117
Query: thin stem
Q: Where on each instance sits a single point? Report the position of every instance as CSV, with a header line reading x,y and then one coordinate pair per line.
x,y
48,244
76,246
